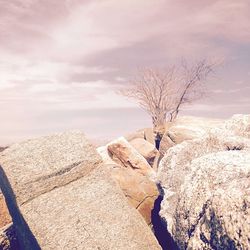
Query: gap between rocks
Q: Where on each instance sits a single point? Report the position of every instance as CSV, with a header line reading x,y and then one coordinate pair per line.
x,y
159,226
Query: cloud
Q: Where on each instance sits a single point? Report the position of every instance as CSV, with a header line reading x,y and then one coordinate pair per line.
x,y
62,55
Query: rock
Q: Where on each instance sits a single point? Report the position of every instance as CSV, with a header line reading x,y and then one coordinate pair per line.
x,y
135,135
139,190
61,196
106,156
145,133
146,149
149,135
157,160
186,128
207,187
5,218
212,207
239,124
37,166
95,215
125,155
2,148
166,143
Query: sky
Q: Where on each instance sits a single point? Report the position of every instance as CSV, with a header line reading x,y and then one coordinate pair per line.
x,y
62,61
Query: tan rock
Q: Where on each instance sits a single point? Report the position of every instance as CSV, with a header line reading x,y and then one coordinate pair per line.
x,y
145,148
149,135
139,190
61,197
89,213
126,155
135,135
5,217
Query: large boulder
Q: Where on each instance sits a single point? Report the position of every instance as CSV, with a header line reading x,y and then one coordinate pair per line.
x,y
145,133
145,148
239,125
61,196
126,155
206,183
139,190
186,128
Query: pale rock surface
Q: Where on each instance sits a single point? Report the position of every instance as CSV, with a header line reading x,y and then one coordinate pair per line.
x,y
135,135
37,166
90,213
106,157
207,188
239,124
186,128
125,155
61,196
145,133
145,148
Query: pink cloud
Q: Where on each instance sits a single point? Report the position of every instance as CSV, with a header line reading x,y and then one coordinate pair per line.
x,y
61,55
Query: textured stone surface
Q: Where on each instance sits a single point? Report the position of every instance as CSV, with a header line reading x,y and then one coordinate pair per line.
x,y
145,148
4,212
186,128
207,188
36,166
145,133
126,155
135,135
139,190
239,125
90,213
106,156
70,200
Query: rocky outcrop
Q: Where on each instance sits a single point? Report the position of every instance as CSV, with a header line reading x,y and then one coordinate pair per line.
x,y
61,196
125,155
239,125
186,128
145,148
140,191
206,182
146,134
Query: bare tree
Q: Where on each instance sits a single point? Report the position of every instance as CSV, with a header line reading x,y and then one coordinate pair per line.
x,y
192,83
161,93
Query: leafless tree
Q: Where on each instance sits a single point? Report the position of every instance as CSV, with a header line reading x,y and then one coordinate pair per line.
x,y
192,85
161,93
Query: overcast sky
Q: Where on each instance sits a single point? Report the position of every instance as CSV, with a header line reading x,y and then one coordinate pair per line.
x,y
62,60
